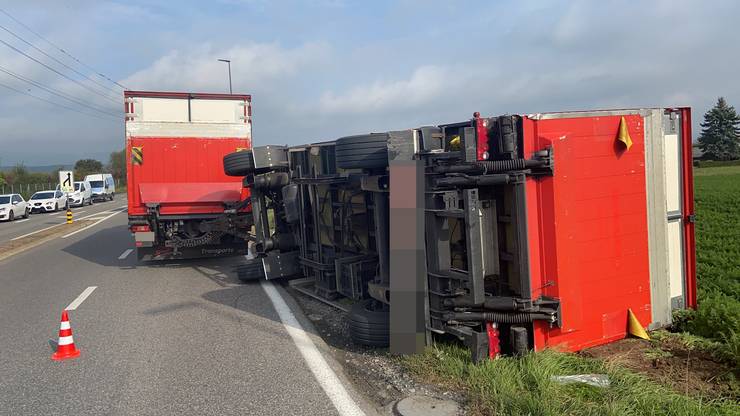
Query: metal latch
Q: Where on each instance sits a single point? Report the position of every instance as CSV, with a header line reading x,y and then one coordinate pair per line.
x,y
691,218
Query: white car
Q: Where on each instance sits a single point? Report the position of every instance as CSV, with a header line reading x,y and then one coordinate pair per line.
x,y
13,206
82,194
48,201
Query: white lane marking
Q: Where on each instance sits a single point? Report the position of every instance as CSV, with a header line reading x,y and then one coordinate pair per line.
x,y
94,214
90,226
55,225
326,377
23,220
34,232
125,254
77,302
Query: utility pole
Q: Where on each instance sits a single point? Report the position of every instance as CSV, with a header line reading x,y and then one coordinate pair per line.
x,y
229,63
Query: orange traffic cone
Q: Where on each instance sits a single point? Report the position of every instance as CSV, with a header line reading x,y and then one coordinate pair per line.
x,y
66,347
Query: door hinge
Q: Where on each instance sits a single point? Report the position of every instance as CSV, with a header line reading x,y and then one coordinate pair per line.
x,y
691,218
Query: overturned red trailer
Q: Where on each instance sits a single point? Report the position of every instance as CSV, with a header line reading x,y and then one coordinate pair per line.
x,y
511,232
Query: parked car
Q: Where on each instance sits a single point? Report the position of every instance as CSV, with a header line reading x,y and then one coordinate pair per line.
x,y
103,186
48,201
82,194
13,206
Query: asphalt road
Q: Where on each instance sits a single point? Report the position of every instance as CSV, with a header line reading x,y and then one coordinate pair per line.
x,y
158,339
20,227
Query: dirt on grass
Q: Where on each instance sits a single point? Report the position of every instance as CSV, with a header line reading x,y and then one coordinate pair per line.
x,y
670,362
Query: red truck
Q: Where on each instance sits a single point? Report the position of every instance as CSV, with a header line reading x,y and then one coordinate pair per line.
x,y
181,204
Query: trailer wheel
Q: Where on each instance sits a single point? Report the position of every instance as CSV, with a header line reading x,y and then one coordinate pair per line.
x,y
369,323
250,271
366,151
239,163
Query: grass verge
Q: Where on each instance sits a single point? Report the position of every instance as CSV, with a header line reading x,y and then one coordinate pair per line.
x,y
524,386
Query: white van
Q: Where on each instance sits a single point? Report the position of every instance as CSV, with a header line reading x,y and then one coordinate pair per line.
x,y
103,186
82,194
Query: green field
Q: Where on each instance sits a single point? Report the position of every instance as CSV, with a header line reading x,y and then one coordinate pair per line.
x,y
523,386
717,196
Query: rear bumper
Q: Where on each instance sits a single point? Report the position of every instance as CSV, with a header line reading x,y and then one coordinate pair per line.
x,y
165,253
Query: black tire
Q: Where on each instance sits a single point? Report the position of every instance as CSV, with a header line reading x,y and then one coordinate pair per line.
x,y
56,207
239,163
111,196
26,212
250,271
367,151
369,323
11,216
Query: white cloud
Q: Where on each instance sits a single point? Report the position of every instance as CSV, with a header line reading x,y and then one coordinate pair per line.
x,y
424,85
198,68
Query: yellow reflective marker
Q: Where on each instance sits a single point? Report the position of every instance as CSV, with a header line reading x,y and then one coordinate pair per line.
x,y
455,143
137,155
634,327
624,134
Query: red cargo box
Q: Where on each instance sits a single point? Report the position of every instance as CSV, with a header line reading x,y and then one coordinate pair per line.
x,y
175,144
612,229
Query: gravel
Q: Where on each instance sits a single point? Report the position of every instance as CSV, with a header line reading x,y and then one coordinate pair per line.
x,y
375,372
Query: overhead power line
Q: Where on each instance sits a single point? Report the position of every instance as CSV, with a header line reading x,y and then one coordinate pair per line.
x,y
106,88
57,72
54,91
98,73
51,102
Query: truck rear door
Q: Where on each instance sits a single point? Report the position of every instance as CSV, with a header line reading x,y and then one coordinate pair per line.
x,y
175,148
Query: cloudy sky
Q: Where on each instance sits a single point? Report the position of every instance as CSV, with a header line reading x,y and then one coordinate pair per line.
x,y
319,69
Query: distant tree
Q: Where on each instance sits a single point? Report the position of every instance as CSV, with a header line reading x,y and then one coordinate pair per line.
x,y
117,165
720,134
18,174
84,167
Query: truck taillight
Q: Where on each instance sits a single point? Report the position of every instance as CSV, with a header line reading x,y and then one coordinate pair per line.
x,y
140,228
481,136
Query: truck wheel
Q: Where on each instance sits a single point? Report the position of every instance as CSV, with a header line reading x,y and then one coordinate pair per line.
x,y
366,151
369,323
239,163
250,271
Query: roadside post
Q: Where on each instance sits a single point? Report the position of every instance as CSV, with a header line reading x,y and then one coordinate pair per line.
x,y
67,185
